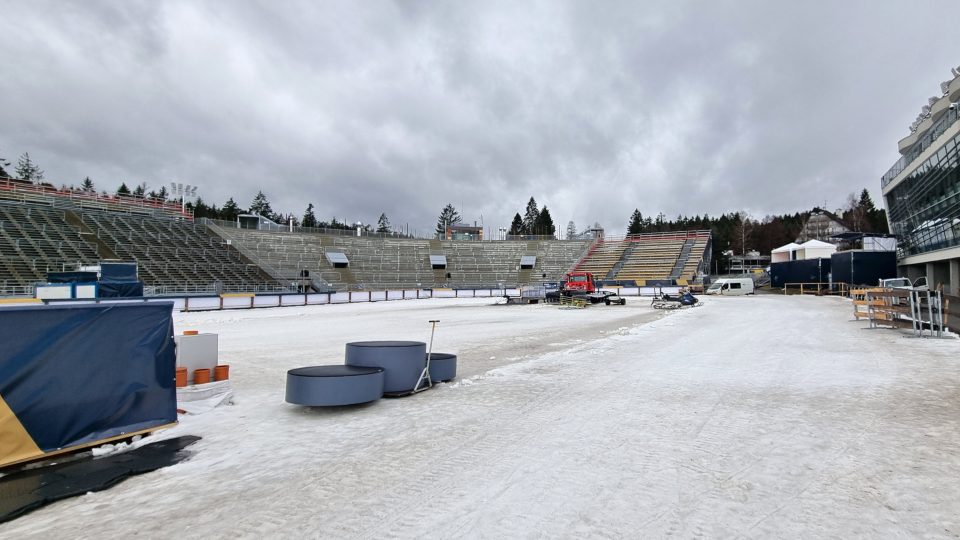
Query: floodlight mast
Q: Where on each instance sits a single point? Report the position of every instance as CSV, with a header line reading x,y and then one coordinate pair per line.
x,y
183,191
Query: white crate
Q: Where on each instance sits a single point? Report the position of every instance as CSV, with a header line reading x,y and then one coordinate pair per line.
x,y
197,352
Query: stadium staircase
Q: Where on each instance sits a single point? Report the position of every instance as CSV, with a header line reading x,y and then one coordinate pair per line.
x,y
103,250
682,259
612,274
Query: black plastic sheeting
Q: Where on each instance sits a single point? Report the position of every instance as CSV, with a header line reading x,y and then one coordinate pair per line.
x,y
71,277
118,272
27,490
121,289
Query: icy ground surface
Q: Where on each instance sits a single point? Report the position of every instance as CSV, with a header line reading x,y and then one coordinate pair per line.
x,y
751,417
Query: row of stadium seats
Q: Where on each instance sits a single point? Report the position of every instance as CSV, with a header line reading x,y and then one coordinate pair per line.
x,y
385,262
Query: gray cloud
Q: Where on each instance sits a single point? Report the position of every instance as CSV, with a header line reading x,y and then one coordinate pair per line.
x,y
370,107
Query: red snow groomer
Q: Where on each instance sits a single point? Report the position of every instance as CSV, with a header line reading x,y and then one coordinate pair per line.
x,y
582,285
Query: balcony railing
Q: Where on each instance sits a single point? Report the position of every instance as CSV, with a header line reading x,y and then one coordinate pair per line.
x,y
931,135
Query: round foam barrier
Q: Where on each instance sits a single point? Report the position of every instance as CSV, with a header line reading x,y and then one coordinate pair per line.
x,y
402,361
327,386
443,367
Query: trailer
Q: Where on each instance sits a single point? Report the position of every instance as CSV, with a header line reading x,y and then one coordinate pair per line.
x,y
529,294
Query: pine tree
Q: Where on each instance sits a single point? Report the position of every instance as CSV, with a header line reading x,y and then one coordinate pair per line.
x,y
87,185
28,170
261,206
571,230
162,194
636,222
448,216
383,224
230,210
201,210
4,163
875,219
309,218
544,224
516,227
123,189
140,190
530,217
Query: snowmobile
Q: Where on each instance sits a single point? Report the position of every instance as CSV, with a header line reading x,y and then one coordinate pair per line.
x,y
665,301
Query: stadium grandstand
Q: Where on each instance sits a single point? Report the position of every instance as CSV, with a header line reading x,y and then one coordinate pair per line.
x,y
43,230
640,259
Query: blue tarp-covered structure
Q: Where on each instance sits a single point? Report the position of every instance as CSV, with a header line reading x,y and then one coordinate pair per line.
x,y
863,267
120,289
71,376
118,272
119,280
802,271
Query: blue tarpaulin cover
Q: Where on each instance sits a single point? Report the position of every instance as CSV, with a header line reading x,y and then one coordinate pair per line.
x,y
71,375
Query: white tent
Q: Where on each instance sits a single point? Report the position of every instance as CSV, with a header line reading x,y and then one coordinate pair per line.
x,y
815,249
783,253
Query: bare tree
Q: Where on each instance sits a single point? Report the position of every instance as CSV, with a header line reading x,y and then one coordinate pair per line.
x,y
855,213
742,233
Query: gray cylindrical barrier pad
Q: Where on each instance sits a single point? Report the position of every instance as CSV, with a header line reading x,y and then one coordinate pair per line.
x,y
443,367
402,361
326,386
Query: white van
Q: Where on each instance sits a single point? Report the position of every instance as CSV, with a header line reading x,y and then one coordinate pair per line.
x,y
731,286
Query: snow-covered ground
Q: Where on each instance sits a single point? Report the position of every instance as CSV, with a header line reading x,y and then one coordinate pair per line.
x,y
765,416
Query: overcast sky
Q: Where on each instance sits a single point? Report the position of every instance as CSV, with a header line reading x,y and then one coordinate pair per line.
x,y
592,108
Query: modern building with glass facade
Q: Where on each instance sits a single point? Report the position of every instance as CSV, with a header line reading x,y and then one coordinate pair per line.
x,y
921,193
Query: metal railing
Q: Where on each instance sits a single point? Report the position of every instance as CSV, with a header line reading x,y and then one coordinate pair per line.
x,y
819,289
213,288
26,192
922,144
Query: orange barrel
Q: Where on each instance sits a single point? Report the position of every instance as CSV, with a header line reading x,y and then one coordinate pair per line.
x,y
221,372
201,376
181,377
